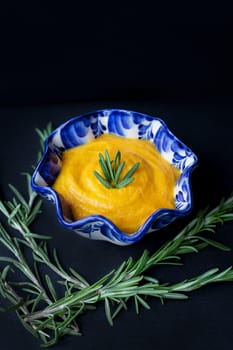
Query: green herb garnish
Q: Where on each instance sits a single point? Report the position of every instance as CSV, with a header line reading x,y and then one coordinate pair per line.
x,y
49,316
112,170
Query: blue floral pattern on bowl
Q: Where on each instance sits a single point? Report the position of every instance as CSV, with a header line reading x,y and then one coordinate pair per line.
x,y
84,128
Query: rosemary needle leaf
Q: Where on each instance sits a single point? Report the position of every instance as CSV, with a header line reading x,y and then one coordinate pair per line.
x,y
40,133
34,212
14,213
28,178
102,180
215,244
124,182
104,170
108,311
37,300
104,167
78,276
121,306
116,162
5,272
51,287
177,296
142,302
3,209
118,172
151,279
57,261
31,291
109,165
36,235
14,307
19,196
131,171
136,304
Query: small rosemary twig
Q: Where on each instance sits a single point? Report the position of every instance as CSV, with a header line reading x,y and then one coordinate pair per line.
x,y
40,255
20,213
112,169
21,309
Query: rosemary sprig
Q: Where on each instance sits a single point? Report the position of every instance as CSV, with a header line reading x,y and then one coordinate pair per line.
x,y
112,169
129,281
35,299
20,214
43,134
138,288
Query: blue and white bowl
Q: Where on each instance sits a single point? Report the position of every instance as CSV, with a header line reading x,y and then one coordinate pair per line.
x,y
84,128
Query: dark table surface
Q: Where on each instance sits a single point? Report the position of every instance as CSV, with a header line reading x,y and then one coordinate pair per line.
x,y
204,321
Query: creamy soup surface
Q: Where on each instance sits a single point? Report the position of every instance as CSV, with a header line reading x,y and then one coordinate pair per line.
x,y
127,207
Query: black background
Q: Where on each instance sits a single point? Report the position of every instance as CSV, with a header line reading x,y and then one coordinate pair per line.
x,y
58,61
62,53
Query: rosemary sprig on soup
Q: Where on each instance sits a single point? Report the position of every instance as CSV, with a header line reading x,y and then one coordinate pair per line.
x,y
112,170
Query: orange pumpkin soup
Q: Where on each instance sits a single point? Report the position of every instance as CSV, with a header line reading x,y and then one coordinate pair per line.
x,y
127,207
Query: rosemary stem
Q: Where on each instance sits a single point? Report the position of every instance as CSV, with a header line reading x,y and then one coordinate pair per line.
x,y
147,289
25,268
24,230
189,233
31,276
126,282
14,297
39,252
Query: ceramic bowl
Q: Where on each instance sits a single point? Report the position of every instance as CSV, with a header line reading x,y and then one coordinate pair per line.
x,y
84,128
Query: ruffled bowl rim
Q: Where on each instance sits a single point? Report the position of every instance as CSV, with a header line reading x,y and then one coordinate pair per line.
x,y
116,232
